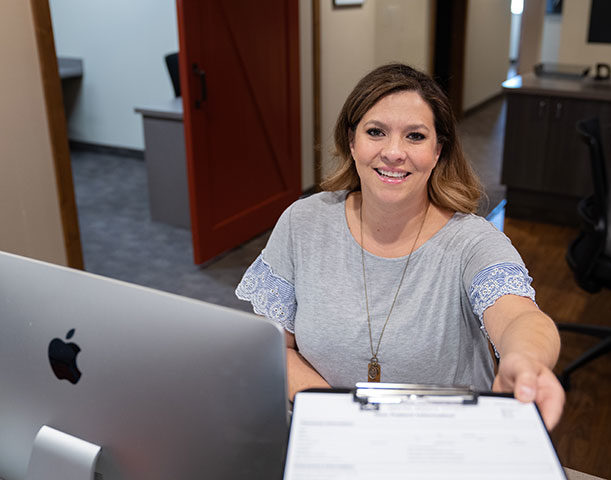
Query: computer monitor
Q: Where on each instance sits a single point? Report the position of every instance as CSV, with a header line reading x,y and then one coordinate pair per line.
x,y
169,387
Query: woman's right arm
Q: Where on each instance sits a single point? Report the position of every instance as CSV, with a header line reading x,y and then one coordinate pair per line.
x,y
300,374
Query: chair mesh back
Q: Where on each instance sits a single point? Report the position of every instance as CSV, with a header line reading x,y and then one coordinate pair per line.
x,y
171,62
591,133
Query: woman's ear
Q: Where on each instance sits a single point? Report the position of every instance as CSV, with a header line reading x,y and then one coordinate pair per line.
x,y
438,151
351,140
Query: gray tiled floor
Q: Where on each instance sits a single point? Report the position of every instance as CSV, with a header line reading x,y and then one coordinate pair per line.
x,y
120,241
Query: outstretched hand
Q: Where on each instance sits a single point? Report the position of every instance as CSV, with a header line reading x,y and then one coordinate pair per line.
x,y
530,380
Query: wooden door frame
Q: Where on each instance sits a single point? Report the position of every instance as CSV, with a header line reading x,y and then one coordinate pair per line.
x,y
58,132
316,93
450,74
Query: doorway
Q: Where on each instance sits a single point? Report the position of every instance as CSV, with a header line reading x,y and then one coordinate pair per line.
x,y
167,266
449,52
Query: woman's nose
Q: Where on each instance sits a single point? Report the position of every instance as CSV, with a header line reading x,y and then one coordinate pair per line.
x,y
393,150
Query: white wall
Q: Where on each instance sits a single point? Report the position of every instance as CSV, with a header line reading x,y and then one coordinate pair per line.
x,y
514,38
574,48
531,35
347,52
552,26
29,204
356,40
122,44
403,32
486,50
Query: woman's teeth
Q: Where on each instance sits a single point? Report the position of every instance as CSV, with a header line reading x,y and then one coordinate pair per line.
x,y
386,173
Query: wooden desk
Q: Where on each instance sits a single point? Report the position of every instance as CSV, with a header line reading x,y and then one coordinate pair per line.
x,y
575,475
570,475
546,166
166,162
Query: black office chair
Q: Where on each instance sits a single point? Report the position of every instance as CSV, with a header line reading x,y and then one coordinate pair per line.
x,y
171,61
589,255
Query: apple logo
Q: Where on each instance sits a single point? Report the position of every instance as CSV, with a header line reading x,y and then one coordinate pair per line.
x,y
62,357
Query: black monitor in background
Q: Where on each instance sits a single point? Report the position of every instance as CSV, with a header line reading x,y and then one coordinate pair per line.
x,y
599,30
169,387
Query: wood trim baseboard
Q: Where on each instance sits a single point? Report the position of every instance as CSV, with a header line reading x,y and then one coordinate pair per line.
x,y
459,29
58,132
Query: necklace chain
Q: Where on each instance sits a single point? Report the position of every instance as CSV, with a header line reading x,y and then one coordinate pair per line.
x,y
374,367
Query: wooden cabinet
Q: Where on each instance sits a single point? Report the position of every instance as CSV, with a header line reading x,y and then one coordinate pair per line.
x,y
546,165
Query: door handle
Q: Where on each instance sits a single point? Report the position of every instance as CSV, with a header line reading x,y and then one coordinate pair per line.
x,y
203,88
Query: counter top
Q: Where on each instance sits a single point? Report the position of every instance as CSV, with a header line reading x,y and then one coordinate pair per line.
x,y
585,88
171,109
570,474
69,67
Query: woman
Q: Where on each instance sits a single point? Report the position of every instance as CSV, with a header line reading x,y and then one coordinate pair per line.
x,y
388,276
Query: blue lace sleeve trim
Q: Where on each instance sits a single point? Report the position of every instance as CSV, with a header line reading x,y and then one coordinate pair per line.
x,y
270,295
493,282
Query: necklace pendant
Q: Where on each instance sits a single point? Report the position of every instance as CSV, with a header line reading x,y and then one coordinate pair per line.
x,y
373,370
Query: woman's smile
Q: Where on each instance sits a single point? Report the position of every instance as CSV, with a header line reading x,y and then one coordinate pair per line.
x,y
391,176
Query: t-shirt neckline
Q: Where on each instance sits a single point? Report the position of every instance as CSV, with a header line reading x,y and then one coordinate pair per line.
x,y
415,253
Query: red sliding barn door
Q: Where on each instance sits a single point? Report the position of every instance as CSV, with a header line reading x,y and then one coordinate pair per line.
x,y
239,68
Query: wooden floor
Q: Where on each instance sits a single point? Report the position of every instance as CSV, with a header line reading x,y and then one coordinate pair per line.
x,y
583,437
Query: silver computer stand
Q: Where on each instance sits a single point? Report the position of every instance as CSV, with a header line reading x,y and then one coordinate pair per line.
x,y
59,456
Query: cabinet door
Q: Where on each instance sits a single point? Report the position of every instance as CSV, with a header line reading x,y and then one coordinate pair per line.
x,y
605,131
526,133
567,165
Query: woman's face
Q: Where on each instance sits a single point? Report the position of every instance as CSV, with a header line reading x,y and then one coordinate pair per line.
x,y
395,149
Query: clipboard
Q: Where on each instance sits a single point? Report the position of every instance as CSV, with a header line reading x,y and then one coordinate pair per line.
x,y
400,431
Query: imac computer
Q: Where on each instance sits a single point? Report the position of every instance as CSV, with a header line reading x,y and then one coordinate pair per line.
x,y
168,387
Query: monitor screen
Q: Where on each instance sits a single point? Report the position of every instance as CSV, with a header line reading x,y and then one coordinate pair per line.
x,y
169,387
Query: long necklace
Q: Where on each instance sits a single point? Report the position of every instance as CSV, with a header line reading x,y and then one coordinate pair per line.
x,y
374,370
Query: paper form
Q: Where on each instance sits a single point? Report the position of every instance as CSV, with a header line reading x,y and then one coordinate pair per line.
x,y
499,438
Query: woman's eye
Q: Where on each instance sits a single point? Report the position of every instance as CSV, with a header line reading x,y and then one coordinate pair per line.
x,y
417,136
375,132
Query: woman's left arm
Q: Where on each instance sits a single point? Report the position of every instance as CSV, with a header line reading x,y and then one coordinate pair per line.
x,y
528,343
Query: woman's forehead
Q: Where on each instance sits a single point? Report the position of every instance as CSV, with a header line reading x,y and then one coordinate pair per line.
x,y
406,105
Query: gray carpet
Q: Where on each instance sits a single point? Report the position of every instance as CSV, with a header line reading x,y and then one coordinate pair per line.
x,y
120,241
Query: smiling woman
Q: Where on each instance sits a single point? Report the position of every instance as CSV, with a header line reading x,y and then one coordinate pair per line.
x,y
395,149
453,183
388,275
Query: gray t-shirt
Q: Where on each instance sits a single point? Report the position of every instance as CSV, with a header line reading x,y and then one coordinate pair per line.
x,y
309,278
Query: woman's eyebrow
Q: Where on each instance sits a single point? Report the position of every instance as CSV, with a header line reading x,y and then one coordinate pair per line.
x,y
411,126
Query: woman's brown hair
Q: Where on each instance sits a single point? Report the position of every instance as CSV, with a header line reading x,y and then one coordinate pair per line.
x,y
453,183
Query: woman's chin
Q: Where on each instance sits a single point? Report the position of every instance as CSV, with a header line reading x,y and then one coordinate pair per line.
x,y
395,196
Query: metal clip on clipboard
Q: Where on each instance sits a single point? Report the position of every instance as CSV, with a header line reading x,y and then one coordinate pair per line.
x,y
371,395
